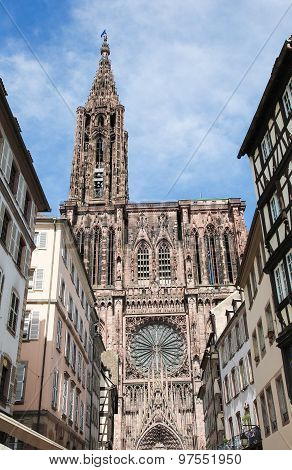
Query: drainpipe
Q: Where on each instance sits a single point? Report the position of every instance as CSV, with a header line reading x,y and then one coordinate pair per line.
x,y
46,331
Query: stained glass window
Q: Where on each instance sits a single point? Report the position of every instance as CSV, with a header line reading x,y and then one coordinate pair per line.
x,y
157,344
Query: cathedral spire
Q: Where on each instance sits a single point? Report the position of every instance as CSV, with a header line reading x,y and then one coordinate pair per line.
x,y
103,90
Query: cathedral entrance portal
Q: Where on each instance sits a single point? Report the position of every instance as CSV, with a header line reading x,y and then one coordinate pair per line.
x,y
159,436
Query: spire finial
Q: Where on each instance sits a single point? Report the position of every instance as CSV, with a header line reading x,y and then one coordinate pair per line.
x,y
104,50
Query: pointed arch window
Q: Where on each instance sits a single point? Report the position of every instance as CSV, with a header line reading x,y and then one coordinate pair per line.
x,y
164,263
99,152
197,258
81,243
228,255
143,261
110,257
96,257
211,255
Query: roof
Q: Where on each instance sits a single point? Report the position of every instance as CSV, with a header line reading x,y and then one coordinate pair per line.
x,y
282,66
25,156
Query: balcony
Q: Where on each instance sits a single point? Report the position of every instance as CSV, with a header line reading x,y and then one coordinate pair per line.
x,y
249,439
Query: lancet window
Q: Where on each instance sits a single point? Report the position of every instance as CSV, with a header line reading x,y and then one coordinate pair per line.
x,y
110,257
164,263
96,257
143,261
197,259
212,266
228,255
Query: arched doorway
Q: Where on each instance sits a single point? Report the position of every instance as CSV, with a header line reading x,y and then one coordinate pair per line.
x,y
159,436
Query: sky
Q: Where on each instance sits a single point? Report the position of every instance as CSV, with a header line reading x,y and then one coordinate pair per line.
x,y
176,64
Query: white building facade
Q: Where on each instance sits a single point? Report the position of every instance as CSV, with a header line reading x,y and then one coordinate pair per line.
x,y
21,196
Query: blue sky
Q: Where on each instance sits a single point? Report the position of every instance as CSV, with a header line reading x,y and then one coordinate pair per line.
x,y
175,64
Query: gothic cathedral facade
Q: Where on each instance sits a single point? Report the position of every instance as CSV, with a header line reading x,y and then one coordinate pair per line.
x,y
156,269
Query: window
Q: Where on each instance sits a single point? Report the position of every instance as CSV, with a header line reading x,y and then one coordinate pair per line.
x,y
238,420
265,414
143,261
266,146
282,400
13,313
13,181
65,396
164,263
28,214
275,207
253,282
211,255
245,328
65,254
289,266
55,388
249,292
59,334
76,408
76,319
68,347
80,237
1,283
261,337
270,323
271,408
39,279
6,379
242,373
259,263
234,381
62,292
281,282
226,389
73,356
71,401
20,378
228,256
81,329
81,416
79,362
197,258
31,326
255,347
6,160
249,368
70,307
40,240
20,252
5,228
287,99
99,152
110,257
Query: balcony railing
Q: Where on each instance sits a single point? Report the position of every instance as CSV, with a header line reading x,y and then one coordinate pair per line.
x,y
250,438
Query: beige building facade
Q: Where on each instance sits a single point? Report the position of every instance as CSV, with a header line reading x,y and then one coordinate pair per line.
x,y
156,270
272,400
52,375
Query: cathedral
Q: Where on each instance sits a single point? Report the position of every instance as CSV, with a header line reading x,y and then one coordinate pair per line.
x,y
156,270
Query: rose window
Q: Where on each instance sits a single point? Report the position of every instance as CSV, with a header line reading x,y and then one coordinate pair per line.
x,y
157,344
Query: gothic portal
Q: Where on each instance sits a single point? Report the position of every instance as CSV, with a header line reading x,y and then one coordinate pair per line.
x,y
156,269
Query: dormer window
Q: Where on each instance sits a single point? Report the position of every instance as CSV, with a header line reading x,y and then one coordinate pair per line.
x,y
266,146
287,99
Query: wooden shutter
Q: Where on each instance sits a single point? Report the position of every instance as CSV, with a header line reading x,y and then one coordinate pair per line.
x,y
14,236
6,161
26,263
39,279
42,241
32,215
2,210
21,191
34,325
11,385
20,375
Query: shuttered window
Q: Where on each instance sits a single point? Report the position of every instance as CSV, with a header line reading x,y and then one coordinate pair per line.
x,y
14,239
40,240
55,388
39,279
6,160
21,192
81,416
34,325
20,377
59,334
13,313
65,396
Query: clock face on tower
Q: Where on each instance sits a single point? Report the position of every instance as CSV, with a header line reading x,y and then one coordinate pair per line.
x,y
157,344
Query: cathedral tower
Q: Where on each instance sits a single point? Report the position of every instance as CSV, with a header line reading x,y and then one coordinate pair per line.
x,y
156,269
99,172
